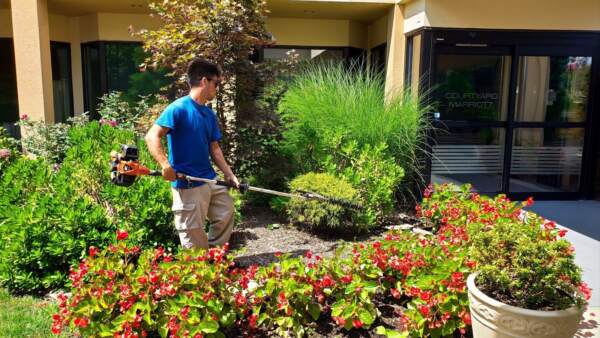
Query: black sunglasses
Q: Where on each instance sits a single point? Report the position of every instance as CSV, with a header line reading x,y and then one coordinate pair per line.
x,y
216,81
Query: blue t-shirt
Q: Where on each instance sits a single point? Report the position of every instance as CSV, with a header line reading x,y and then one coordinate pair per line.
x,y
192,129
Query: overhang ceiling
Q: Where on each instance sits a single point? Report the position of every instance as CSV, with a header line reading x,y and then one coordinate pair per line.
x,y
362,11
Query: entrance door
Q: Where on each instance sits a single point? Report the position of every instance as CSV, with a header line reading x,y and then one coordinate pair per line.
x,y
472,101
549,122
510,119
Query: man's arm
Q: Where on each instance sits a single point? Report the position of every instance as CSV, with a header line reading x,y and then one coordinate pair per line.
x,y
217,155
153,142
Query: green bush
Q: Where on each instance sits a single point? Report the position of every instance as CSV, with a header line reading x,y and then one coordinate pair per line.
x,y
48,141
323,216
325,102
531,268
373,173
45,225
50,214
9,150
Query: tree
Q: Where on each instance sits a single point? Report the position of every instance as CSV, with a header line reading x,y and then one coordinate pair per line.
x,y
223,31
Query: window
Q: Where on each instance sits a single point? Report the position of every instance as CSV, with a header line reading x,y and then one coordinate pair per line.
x,y
303,53
9,108
378,58
113,66
60,56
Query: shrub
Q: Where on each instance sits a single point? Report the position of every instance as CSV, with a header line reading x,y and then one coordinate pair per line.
x,y
373,173
9,150
46,225
329,101
319,215
531,267
48,141
49,214
125,291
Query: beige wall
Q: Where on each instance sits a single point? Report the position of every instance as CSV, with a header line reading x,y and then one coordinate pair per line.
x,y
314,32
377,32
88,27
358,34
59,28
396,42
506,14
115,27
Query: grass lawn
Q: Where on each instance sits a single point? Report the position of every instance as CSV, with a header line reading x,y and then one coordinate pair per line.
x,y
25,316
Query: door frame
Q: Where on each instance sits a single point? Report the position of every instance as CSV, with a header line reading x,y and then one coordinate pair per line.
x,y
521,43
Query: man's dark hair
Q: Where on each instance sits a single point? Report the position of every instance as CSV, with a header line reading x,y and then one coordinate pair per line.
x,y
199,68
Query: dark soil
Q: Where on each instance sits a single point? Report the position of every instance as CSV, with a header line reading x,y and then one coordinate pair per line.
x,y
256,240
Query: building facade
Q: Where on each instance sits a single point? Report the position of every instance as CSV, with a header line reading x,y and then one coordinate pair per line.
x,y
514,86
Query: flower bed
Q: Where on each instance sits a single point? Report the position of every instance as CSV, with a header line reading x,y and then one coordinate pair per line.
x,y
124,291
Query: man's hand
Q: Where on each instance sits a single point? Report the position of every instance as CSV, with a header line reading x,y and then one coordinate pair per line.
x,y
168,173
231,179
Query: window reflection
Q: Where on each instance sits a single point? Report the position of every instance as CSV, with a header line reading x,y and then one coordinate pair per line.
x,y
553,88
472,87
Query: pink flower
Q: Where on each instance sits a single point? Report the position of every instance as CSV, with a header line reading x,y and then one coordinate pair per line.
x,y
122,235
585,290
4,153
24,117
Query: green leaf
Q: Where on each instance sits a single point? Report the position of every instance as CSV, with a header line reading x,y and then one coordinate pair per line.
x,y
314,310
366,317
209,326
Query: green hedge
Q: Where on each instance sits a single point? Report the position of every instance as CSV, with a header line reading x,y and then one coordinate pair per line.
x,y
51,213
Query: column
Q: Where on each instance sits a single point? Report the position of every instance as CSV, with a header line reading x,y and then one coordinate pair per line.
x,y
32,58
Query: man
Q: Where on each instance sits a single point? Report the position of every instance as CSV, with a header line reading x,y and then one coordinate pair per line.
x,y
193,134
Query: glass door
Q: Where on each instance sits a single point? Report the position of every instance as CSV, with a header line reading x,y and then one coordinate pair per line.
x,y
472,106
551,108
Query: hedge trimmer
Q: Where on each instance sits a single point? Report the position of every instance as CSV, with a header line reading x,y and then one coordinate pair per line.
x,y
125,168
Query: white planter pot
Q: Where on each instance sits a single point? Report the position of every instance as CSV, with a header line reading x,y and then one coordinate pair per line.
x,y
493,319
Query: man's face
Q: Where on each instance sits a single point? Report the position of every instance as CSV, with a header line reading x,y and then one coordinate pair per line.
x,y
212,83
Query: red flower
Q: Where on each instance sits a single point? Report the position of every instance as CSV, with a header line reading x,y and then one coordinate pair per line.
x,y
357,323
471,264
347,279
339,321
549,225
81,322
278,253
122,235
562,232
327,281
466,317
142,280
252,320
585,290
395,293
240,300
529,201
424,309
425,295
93,251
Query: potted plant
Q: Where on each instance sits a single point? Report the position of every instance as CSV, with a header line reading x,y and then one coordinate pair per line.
x,y
527,283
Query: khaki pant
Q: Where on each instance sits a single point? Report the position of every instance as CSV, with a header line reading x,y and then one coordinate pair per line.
x,y
193,206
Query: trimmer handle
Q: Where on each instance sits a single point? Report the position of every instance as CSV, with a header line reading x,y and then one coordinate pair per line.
x,y
243,187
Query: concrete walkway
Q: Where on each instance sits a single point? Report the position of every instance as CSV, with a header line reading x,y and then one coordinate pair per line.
x,y
582,219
